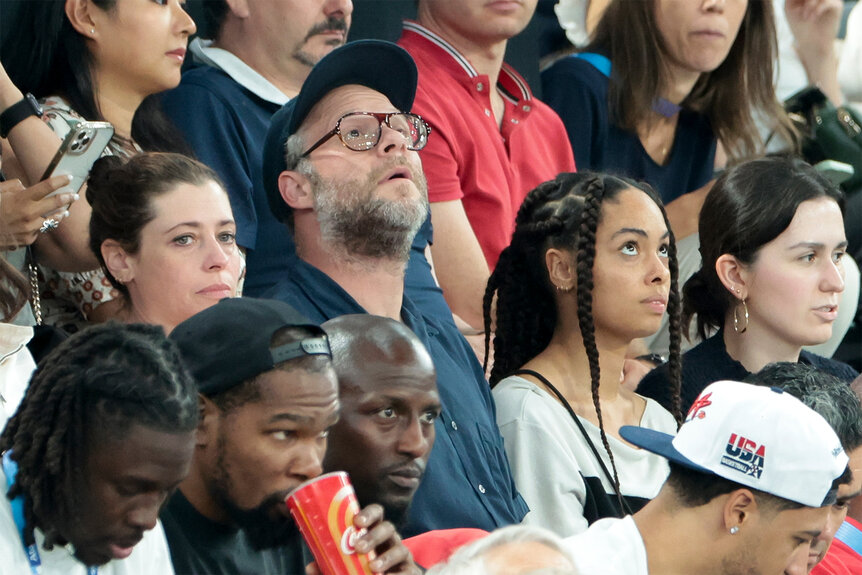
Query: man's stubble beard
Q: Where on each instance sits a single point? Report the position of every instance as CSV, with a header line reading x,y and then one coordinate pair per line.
x,y
362,226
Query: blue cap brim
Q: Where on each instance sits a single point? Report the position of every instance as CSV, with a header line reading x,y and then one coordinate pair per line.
x,y
659,443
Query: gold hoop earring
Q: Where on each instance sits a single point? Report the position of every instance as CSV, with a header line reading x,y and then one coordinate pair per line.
x,y
562,289
736,322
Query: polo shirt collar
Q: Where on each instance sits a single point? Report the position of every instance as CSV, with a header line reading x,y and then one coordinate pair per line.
x,y
204,53
332,300
511,83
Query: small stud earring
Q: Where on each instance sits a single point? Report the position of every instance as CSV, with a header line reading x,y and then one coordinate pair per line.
x,y
734,530
92,30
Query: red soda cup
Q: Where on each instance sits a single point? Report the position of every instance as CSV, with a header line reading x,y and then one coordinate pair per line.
x,y
323,509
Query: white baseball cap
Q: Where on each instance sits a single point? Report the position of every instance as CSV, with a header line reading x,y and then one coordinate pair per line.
x,y
756,436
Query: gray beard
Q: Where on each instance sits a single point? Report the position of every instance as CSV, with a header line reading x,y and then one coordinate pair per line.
x,y
364,227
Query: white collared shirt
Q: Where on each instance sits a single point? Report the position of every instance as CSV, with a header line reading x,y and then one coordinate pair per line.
x,y
205,53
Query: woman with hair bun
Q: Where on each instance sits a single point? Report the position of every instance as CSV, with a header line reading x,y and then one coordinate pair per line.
x,y
591,267
163,230
772,240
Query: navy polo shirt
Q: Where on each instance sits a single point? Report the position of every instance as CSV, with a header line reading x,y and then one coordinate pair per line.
x,y
468,482
226,125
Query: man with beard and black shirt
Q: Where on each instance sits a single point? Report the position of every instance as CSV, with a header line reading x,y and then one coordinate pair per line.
x,y
268,396
389,403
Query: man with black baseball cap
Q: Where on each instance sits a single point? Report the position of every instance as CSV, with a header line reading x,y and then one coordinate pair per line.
x,y
342,171
754,473
268,396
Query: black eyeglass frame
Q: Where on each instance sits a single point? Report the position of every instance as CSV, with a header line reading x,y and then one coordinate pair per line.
x,y
381,117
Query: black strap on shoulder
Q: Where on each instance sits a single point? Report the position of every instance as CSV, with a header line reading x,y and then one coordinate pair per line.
x,y
626,510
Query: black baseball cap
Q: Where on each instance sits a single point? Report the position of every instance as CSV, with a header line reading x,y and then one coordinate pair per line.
x,y
379,65
230,342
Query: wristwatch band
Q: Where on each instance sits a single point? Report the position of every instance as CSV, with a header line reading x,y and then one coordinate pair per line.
x,y
18,112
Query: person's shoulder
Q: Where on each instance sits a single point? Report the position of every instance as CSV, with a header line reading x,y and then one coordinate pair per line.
x,y
572,69
658,418
832,366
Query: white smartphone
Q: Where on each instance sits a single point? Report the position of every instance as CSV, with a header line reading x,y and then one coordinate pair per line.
x,y
836,172
79,151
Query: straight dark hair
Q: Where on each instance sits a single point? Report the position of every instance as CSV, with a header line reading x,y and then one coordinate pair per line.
x,y
44,55
728,95
749,206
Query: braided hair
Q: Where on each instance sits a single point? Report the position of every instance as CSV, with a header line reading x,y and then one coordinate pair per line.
x,y
563,213
103,380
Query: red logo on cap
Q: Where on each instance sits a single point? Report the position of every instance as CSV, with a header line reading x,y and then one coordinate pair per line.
x,y
697,408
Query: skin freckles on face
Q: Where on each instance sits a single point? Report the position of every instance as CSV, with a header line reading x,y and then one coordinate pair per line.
x,y
187,258
125,482
631,279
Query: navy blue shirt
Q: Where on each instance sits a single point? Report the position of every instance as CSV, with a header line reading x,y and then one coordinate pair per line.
x,y
578,92
226,125
468,482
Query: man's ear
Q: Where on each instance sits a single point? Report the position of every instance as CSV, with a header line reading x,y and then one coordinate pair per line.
x,y
239,8
119,262
208,422
733,274
740,511
295,189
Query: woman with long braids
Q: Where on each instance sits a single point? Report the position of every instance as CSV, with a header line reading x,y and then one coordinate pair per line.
x,y
591,267
773,246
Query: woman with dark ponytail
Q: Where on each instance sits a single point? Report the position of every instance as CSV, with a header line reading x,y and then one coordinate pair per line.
x,y
772,241
591,267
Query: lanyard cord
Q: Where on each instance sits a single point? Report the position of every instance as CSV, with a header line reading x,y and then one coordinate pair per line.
x,y
10,469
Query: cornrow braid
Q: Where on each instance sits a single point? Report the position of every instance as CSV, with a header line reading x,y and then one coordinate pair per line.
x,y
102,380
561,214
526,310
675,323
584,266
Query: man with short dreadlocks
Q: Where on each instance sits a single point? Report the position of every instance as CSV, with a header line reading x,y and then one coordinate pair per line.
x,y
105,431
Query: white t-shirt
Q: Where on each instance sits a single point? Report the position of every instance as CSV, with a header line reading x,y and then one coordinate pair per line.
x,y
554,468
150,556
609,547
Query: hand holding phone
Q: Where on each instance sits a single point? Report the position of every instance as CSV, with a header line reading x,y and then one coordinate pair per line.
x,y
23,210
81,147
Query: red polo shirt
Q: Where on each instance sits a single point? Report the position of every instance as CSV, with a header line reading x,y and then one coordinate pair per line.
x,y
468,157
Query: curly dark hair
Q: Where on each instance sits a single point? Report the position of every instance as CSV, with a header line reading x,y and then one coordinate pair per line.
x,y
108,377
564,214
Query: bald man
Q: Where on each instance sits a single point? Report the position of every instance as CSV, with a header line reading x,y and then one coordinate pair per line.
x,y
389,403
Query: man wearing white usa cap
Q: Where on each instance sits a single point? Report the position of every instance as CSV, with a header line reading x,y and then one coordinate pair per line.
x,y
753,471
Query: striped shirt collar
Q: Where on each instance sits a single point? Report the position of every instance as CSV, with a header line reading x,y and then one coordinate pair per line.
x,y
510,81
